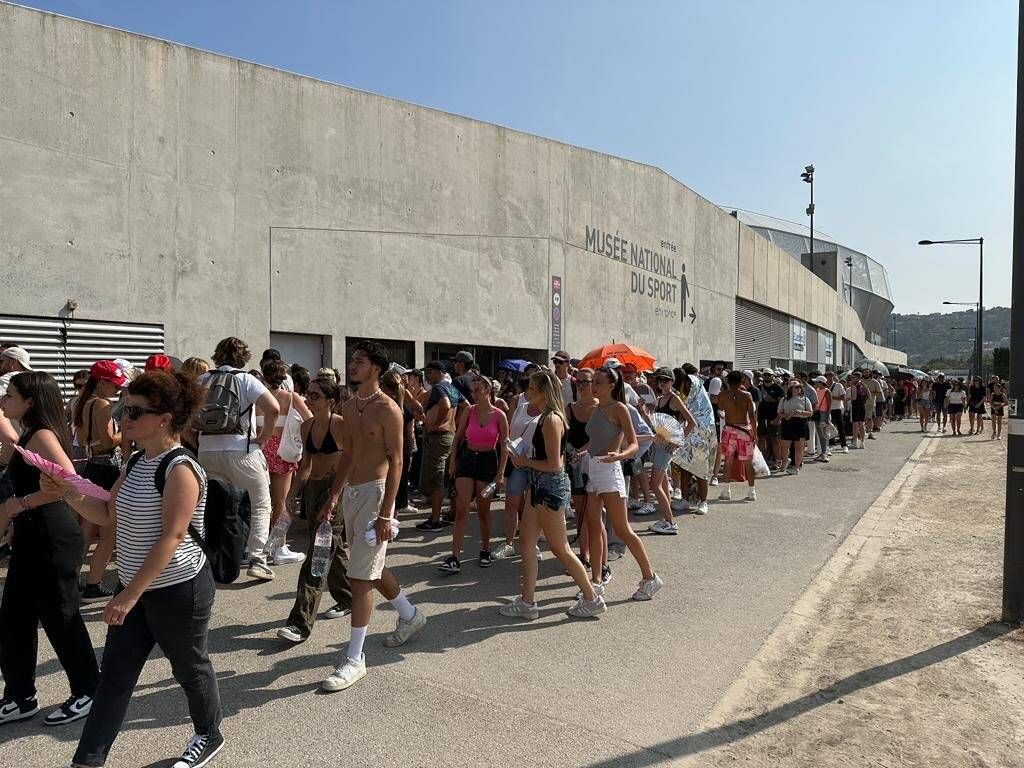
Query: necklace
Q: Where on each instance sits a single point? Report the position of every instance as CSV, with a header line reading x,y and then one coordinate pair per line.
x,y
367,400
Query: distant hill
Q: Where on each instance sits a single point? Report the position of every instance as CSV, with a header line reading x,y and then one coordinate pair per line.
x,y
926,338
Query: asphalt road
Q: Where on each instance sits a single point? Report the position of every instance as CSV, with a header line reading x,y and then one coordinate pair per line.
x,y
476,687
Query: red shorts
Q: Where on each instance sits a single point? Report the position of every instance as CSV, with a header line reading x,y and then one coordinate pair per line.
x,y
275,463
737,444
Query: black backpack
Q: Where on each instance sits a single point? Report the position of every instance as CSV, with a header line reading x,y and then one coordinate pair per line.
x,y
222,412
226,519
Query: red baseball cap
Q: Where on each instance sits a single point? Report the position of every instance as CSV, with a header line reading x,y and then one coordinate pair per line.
x,y
159,363
108,370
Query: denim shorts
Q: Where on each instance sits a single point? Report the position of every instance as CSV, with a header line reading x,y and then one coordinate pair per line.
x,y
661,456
549,490
516,481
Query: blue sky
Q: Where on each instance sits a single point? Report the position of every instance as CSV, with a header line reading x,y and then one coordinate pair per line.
x,y
905,108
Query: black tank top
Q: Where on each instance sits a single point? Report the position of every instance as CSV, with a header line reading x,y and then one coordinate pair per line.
x,y
666,408
23,475
577,436
540,451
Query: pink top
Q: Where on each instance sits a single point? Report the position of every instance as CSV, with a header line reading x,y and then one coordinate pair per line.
x,y
486,435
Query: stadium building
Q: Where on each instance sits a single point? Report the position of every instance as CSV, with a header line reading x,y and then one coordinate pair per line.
x,y
155,197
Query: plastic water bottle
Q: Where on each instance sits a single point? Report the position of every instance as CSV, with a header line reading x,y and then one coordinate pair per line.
x,y
487,492
278,533
321,549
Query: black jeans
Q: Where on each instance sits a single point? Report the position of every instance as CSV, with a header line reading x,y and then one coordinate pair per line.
x,y
837,419
402,497
42,588
177,618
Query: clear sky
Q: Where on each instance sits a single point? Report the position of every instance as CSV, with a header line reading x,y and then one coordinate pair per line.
x,y
905,108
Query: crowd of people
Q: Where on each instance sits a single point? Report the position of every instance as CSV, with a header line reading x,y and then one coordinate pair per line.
x,y
569,449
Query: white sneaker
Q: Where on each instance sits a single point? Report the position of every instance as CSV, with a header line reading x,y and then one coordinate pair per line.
x,y
503,552
349,673
645,509
519,609
259,571
846,449
648,588
714,480
285,556
726,493
598,590
585,609
664,528
680,505
702,508
540,555
751,494
406,630
634,504
291,634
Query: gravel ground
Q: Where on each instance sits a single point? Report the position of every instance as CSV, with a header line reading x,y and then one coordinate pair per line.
x,y
895,656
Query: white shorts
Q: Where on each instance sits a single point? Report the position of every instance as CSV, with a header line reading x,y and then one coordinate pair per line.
x,y
606,478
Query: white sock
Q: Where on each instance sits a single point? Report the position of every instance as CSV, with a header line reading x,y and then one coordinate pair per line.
x,y
355,645
406,610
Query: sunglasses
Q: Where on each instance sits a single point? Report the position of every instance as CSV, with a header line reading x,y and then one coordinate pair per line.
x,y
134,412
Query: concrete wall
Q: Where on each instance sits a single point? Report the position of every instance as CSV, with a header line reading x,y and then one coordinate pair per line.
x,y
157,183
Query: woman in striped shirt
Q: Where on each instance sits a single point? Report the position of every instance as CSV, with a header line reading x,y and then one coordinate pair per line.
x,y
166,589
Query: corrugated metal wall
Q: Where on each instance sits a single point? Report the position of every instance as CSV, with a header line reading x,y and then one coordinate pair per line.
x,y
62,346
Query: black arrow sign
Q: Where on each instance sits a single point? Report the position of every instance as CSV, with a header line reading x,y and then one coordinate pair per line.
x,y
693,316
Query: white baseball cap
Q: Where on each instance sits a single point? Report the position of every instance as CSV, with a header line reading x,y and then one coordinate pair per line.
x,y
19,354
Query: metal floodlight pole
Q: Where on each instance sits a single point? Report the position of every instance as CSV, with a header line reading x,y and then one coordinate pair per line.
x,y
1013,544
808,176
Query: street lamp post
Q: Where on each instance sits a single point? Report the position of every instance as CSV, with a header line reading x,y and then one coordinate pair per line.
x,y
980,242
808,177
976,370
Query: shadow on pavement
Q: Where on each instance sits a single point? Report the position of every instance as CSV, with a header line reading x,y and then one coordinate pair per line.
x,y
741,729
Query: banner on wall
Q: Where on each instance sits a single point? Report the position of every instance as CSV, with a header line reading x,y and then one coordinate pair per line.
x,y
799,339
556,313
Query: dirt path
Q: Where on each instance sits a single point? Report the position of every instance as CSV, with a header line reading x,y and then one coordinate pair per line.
x,y
894,657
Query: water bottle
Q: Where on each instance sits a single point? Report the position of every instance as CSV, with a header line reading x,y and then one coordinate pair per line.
x,y
321,549
487,492
278,533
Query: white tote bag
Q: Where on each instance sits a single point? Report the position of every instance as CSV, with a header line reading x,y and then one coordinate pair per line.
x,y
290,449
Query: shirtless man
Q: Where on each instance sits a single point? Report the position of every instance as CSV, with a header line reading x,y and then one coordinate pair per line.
x,y
739,433
441,410
369,471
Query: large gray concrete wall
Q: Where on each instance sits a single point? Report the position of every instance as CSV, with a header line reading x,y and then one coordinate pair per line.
x,y
157,183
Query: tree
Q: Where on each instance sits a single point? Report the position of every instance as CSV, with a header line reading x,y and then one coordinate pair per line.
x,y
1001,362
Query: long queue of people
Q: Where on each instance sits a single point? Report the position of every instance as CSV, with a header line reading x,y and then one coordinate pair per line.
x,y
562,445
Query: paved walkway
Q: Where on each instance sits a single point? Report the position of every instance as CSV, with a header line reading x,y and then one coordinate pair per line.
x,y
476,687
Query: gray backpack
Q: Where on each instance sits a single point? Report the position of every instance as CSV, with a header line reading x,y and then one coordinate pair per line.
x,y
222,412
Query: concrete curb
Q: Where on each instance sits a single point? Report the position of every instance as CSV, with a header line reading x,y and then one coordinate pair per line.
x,y
800,627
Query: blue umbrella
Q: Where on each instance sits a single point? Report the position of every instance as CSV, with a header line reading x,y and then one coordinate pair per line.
x,y
514,365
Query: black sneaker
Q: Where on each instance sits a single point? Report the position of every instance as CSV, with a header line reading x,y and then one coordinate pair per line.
x,y
75,708
450,565
606,574
11,710
96,593
485,558
200,750
431,525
